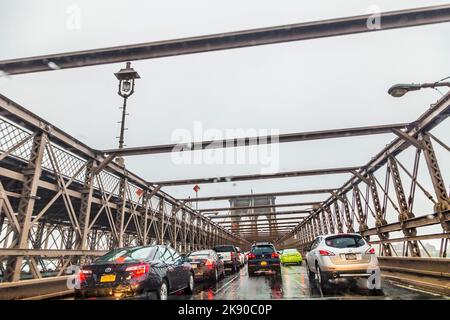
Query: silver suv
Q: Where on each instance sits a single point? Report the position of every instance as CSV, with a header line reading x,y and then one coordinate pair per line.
x,y
340,255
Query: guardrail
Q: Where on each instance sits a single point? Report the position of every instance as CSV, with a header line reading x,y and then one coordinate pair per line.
x,y
436,267
35,289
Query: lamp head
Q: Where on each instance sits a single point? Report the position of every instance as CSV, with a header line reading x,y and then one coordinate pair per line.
x,y
399,90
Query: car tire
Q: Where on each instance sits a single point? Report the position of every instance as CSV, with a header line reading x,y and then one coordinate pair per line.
x,y
223,273
78,295
311,275
191,283
376,292
322,278
215,277
163,291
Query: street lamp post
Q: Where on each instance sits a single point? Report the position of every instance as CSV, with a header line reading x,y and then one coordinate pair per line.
x,y
126,77
399,90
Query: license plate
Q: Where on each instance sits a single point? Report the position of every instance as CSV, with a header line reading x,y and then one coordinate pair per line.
x,y
108,278
263,263
350,256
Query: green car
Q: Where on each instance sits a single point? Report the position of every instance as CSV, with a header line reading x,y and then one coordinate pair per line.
x,y
291,256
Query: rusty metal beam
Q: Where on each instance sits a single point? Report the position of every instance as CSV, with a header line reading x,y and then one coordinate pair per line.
x,y
286,174
251,141
282,205
256,195
255,37
261,214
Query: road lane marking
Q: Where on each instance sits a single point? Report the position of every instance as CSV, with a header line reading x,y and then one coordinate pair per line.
x,y
415,289
226,284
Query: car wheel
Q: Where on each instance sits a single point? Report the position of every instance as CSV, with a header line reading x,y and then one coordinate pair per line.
x,y
311,274
216,275
322,278
190,288
163,291
376,292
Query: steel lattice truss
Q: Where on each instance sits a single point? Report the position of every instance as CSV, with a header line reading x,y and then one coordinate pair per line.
x,y
53,198
378,201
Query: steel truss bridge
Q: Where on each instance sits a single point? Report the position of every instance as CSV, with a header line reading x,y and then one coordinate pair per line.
x,y
63,203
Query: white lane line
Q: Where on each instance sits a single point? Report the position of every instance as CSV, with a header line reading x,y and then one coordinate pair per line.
x,y
415,289
226,284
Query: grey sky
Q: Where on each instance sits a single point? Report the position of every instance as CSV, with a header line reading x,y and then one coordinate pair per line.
x,y
301,86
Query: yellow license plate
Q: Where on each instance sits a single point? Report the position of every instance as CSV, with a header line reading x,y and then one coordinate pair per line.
x,y
263,263
108,278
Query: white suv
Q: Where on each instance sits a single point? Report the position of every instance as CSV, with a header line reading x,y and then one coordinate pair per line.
x,y
340,255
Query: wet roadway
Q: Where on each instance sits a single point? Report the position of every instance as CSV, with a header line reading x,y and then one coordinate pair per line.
x,y
294,284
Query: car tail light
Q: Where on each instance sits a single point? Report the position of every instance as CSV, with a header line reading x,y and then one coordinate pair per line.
x,y
326,253
209,264
231,254
275,255
84,274
251,256
371,250
137,270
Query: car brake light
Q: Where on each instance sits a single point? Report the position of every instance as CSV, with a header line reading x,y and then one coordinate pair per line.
x,y
137,270
251,256
275,255
326,253
231,254
209,264
84,274
371,250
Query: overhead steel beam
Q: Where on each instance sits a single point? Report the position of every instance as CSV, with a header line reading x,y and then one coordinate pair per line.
x,y
252,141
239,39
255,195
263,222
267,219
282,205
261,214
286,174
246,233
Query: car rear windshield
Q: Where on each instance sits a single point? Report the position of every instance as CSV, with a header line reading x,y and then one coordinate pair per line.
x,y
224,249
124,255
193,257
345,241
263,249
290,251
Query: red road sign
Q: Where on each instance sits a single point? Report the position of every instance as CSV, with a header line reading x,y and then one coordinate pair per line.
x,y
196,188
139,192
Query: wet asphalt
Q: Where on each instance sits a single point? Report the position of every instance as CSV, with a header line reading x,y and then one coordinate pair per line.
x,y
294,284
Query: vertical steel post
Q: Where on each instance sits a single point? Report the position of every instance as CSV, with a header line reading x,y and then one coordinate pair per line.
x,y
25,210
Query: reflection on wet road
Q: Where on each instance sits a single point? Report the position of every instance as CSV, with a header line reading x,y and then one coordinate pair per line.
x,y
294,284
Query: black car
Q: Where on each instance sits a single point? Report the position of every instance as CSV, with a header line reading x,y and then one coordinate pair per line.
x,y
144,271
206,265
263,257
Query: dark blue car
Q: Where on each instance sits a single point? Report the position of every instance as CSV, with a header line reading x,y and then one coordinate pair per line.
x,y
263,257
144,271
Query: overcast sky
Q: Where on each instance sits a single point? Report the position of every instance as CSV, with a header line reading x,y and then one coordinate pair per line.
x,y
292,87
